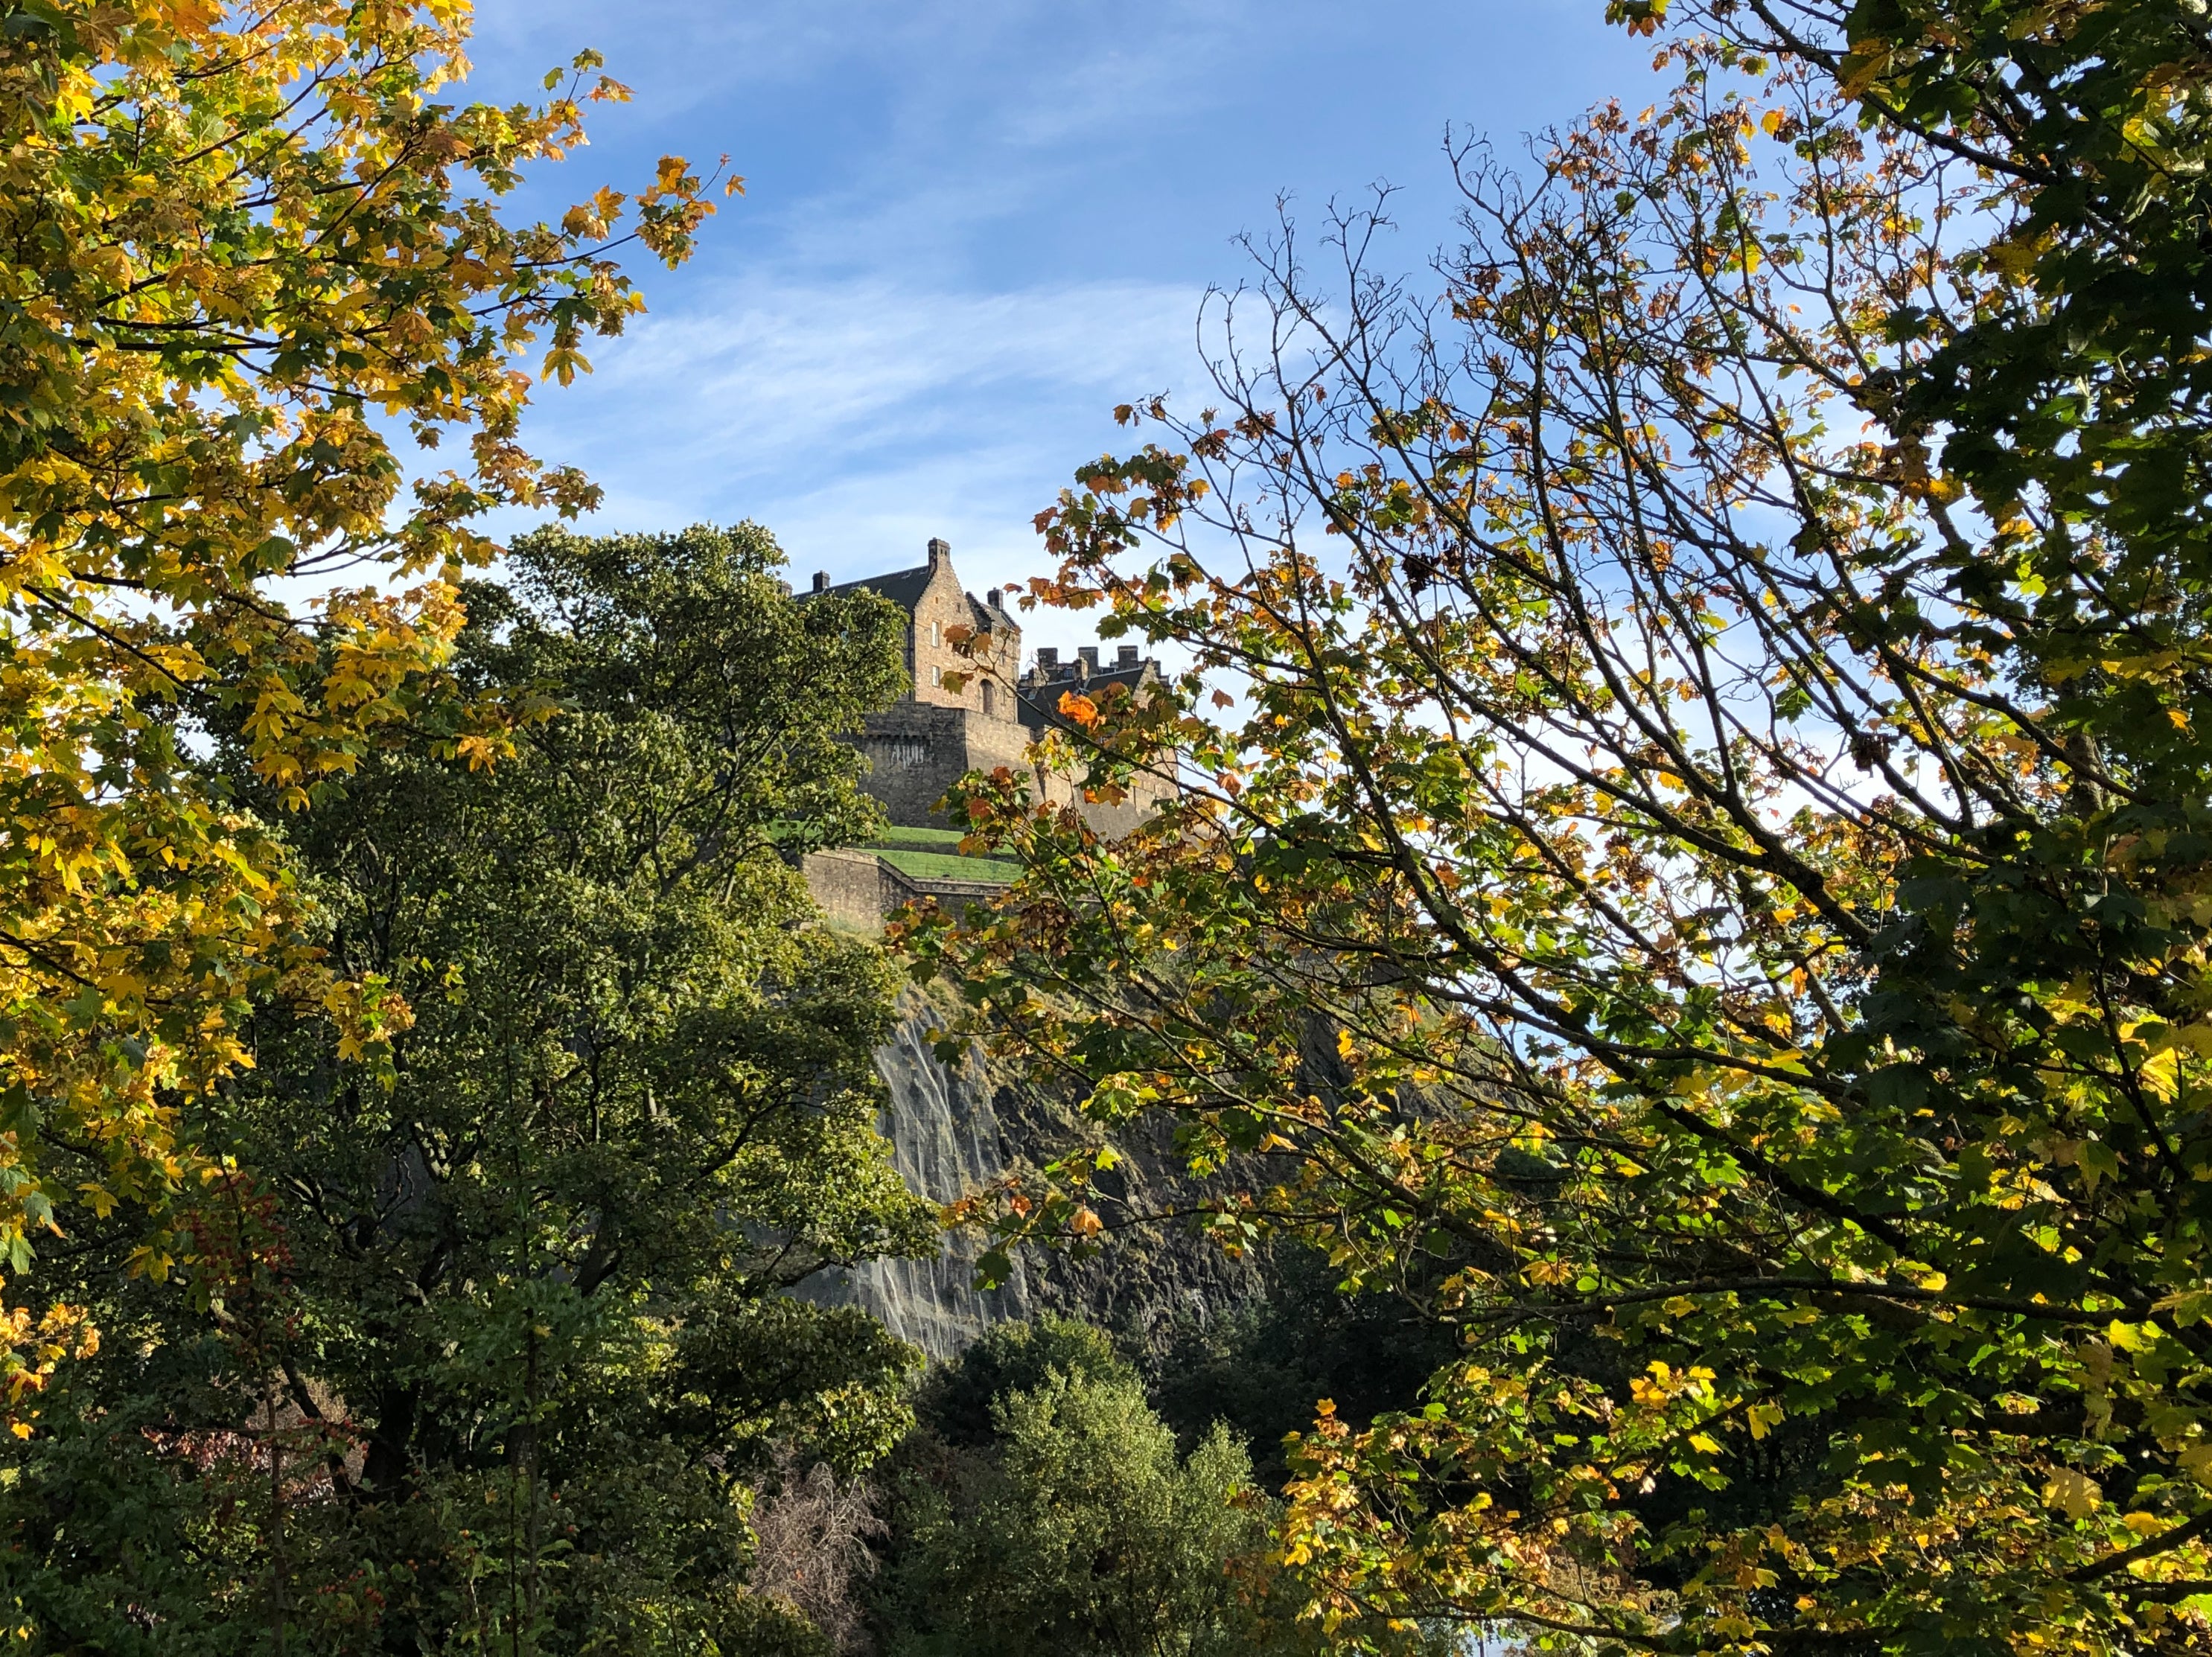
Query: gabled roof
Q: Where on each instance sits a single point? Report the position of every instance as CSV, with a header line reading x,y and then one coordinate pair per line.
x,y
901,586
905,587
989,618
1039,698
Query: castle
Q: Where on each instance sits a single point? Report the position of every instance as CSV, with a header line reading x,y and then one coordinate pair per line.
x,y
967,710
980,710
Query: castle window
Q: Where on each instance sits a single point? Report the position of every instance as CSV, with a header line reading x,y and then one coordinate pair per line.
x,y
988,699
936,635
936,674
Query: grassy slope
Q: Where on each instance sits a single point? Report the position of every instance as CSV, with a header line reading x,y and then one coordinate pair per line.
x,y
935,865
933,854
920,839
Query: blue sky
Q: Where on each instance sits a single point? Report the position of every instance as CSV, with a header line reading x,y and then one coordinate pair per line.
x,y
971,228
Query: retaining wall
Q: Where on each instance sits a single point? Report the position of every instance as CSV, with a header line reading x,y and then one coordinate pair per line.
x,y
859,888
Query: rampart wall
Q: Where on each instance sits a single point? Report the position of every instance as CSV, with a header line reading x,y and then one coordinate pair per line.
x,y
857,889
916,752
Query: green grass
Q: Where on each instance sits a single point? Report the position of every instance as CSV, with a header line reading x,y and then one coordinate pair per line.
x,y
935,865
920,840
933,854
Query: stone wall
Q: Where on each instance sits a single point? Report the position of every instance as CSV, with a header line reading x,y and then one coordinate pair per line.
x,y
916,750
939,612
857,889
1109,818
966,711
943,606
850,888
1042,688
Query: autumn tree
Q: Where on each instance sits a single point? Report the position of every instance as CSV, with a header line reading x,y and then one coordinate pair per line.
x,y
1692,858
489,1343
250,252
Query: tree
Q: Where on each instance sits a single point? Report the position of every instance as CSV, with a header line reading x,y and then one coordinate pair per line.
x,y
811,1536
245,249
1708,871
483,1343
1261,1366
1045,1508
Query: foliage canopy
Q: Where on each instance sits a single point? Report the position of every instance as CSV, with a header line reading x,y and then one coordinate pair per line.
x,y
485,1345
1708,882
1044,1506
243,248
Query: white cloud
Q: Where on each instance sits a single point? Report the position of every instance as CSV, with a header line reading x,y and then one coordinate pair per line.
x,y
973,228
885,340
761,374
858,418
1048,69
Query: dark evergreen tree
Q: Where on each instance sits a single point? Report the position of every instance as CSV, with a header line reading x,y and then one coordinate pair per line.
x,y
477,1346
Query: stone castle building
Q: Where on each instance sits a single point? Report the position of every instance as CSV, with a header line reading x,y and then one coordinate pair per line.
x,y
980,709
955,1128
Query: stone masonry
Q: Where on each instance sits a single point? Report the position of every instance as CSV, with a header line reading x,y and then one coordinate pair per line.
x,y
979,710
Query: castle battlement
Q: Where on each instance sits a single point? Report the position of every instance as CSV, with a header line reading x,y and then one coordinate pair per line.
x,y
978,709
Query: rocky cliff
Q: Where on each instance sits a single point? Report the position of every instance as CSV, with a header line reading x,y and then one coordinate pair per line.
x,y
946,1139
953,1128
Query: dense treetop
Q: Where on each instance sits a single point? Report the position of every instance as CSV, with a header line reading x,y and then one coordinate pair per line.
x,y
246,250
1703,879
487,1344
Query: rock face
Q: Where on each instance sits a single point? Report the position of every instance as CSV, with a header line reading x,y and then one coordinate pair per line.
x,y
946,1139
954,1128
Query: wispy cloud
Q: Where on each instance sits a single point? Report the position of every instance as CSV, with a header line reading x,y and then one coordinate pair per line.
x,y
759,376
850,414
974,225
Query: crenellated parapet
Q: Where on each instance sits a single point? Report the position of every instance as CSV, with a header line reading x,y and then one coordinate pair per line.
x,y
972,705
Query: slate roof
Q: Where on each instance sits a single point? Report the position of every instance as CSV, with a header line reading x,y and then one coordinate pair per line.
x,y
901,586
1039,697
989,616
904,587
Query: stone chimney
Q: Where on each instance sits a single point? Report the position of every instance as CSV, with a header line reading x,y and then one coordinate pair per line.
x,y
1048,661
1125,657
821,580
940,553
1087,661
991,599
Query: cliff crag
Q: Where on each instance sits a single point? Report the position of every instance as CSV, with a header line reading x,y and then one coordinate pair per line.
x,y
954,1128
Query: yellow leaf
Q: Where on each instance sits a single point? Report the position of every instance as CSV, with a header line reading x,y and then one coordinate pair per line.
x,y
2073,1492
194,16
